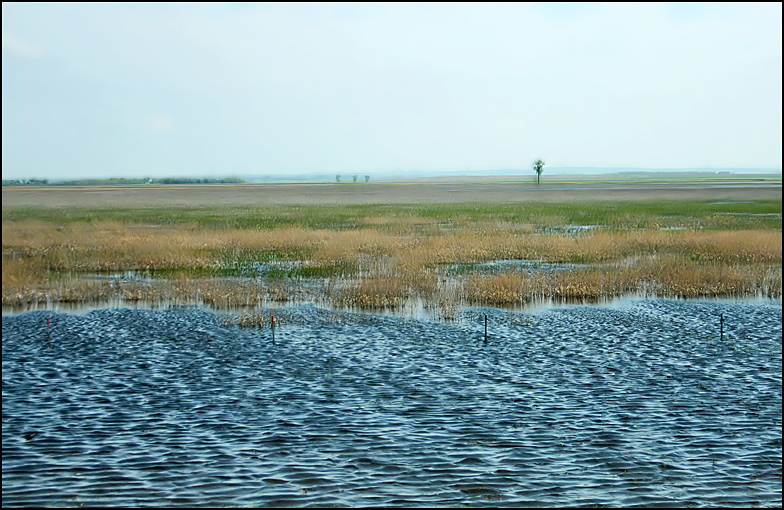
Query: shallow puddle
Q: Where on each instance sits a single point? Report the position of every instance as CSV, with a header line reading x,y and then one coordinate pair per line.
x,y
641,403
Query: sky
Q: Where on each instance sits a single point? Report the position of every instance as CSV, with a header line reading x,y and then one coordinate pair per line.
x,y
219,90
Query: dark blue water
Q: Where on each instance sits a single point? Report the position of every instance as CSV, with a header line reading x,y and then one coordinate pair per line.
x,y
641,404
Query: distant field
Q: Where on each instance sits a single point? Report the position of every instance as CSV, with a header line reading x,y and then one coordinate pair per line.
x,y
491,189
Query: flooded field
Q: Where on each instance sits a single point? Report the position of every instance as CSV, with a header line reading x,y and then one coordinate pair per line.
x,y
640,403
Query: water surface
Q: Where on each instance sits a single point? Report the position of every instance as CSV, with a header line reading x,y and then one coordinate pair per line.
x,y
642,403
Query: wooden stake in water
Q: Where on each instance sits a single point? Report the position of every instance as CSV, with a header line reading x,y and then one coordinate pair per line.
x,y
722,326
48,335
272,324
485,327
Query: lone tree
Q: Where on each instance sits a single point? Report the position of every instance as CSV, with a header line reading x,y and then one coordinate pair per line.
x,y
538,166
337,177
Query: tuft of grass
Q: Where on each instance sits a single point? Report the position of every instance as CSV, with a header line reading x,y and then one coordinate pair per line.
x,y
374,293
251,320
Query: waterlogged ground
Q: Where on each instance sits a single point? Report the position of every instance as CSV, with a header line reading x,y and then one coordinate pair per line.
x,y
629,405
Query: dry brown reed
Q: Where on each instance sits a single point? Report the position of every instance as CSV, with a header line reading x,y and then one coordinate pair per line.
x,y
374,293
112,247
244,320
219,294
381,269
654,278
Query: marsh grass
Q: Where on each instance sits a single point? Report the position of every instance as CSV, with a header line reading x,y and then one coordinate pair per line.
x,y
662,279
252,320
384,256
409,218
376,292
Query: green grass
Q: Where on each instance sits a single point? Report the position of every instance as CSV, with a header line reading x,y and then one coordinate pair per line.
x,y
761,214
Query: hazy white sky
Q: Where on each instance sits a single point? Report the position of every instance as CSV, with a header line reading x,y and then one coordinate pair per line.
x,y
131,90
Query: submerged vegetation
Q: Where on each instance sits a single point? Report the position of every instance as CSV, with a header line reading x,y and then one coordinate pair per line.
x,y
384,256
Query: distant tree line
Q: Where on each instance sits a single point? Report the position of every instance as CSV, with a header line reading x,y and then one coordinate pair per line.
x,y
120,181
25,182
181,180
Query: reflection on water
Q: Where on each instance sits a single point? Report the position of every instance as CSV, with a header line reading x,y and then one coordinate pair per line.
x,y
639,403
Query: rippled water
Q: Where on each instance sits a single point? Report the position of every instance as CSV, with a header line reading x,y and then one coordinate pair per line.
x,y
637,404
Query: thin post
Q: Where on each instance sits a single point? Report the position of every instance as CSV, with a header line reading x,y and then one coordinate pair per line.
x,y
48,333
272,324
485,327
722,326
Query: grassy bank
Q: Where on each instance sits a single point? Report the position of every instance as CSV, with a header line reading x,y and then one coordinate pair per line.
x,y
382,256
